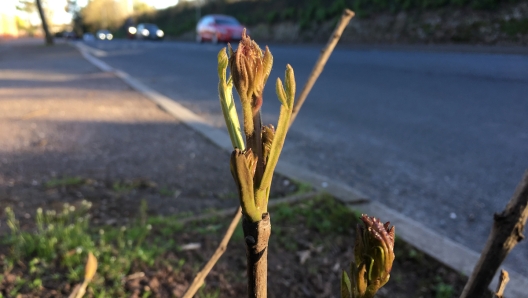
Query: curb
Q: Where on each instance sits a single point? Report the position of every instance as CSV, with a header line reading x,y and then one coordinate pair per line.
x,y
441,248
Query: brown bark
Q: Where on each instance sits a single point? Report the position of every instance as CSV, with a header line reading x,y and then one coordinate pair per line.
x,y
256,236
503,281
507,231
48,37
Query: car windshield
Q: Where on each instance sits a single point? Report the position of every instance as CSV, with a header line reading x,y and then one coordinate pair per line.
x,y
226,21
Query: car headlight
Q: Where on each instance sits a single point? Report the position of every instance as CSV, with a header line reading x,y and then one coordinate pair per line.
x,y
145,32
109,36
132,30
101,36
160,33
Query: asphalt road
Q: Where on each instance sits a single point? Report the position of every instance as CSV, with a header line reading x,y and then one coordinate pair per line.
x,y
439,136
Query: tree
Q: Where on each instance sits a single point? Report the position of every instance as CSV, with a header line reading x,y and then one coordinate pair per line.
x,y
47,34
105,14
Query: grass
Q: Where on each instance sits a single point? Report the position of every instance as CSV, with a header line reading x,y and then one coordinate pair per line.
x,y
65,181
55,251
60,244
443,290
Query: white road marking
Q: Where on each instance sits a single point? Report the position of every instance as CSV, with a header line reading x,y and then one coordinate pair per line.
x,y
96,52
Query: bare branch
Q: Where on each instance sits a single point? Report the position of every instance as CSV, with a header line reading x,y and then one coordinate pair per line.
x,y
507,231
321,61
503,281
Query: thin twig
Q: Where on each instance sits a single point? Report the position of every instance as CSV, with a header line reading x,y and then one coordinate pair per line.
x,y
503,281
200,277
507,231
321,61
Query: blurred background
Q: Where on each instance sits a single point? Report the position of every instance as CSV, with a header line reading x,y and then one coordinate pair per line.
x,y
421,107
382,21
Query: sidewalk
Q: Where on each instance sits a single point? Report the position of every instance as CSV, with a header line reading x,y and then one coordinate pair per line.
x,y
61,118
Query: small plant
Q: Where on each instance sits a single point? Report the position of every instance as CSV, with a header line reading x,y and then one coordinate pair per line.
x,y
66,181
253,161
62,241
443,290
374,254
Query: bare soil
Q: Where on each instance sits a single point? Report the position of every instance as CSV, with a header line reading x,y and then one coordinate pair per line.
x,y
61,118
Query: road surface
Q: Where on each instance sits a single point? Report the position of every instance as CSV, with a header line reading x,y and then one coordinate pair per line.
x,y
441,137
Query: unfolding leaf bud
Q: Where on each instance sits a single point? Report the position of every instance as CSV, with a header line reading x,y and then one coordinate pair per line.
x,y
250,68
374,254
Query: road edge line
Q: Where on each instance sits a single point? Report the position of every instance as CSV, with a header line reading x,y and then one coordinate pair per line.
x,y
441,248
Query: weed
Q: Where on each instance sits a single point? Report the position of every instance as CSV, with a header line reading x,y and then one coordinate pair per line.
x,y
303,187
228,195
66,181
122,187
61,243
166,192
443,290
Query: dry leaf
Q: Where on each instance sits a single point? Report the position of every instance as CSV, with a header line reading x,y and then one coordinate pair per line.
x,y
91,267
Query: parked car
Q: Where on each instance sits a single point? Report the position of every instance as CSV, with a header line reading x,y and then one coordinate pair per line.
x,y
104,35
218,28
149,31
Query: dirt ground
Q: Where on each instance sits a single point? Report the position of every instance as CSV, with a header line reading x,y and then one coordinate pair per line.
x,y
61,118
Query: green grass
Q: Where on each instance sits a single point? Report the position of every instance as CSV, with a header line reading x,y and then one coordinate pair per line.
x,y
323,214
442,289
66,181
61,242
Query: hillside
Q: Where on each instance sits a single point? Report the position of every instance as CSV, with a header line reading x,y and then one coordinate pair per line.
x,y
376,21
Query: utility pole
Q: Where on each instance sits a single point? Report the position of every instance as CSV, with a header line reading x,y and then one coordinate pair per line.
x,y
48,36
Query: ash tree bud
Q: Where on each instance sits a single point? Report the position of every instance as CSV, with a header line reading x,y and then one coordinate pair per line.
x,y
374,255
375,249
250,68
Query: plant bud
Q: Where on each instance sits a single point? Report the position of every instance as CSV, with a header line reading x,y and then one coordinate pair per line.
x,y
374,253
250,68
243,166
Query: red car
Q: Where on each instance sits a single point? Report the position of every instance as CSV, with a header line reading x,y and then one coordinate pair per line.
x,y
218,28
